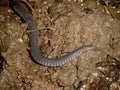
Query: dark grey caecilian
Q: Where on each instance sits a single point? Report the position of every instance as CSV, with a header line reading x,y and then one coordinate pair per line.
x,y
34,47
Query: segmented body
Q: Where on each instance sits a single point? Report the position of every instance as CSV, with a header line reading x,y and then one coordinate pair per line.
x,y
34,47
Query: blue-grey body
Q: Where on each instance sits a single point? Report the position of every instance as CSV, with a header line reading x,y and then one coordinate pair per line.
x,y
33,35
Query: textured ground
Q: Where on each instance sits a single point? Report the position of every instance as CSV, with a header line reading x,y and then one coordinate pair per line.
x,y
64,25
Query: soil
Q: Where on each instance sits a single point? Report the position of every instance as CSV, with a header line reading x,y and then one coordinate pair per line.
x,y
64,25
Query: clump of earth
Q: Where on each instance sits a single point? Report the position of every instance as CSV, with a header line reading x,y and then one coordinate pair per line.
x,y
64,25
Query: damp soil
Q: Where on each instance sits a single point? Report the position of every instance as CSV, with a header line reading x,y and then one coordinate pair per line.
x,y
64,25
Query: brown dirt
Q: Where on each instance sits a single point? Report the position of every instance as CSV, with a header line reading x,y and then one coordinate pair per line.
x,y
64,25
